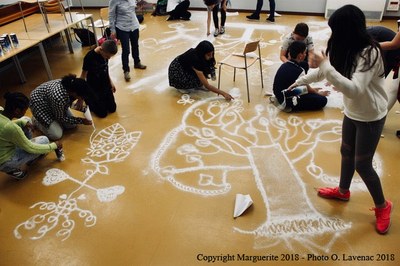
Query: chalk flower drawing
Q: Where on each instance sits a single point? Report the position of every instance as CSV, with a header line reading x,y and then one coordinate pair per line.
x,y
185,99
214,144
111,144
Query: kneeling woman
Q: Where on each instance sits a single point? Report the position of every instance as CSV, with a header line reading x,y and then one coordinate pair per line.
x,y
50,104
190,70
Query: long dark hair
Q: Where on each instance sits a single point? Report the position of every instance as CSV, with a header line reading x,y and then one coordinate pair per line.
x,y
203,48
15,100
348,39
73,84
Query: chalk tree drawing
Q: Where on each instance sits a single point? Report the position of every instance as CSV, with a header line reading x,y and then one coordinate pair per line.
x,y
111,145
215,143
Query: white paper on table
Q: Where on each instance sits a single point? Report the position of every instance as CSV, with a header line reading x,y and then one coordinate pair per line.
x,y
242,203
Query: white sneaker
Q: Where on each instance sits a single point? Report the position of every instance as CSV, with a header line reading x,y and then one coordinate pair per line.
x,y
216,32
127,76
222,30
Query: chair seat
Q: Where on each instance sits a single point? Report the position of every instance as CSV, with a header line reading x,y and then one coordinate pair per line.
x,y
243,60
237,61
100,23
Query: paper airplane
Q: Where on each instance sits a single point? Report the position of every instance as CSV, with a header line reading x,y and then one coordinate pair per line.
x,y
242,203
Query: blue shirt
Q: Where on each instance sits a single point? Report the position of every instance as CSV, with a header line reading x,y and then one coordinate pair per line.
x,y
122,15
286,75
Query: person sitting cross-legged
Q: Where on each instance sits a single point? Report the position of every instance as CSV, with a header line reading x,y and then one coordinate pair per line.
x,y
288,72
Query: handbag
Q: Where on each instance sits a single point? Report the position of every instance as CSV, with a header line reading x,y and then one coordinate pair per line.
x,y
84,36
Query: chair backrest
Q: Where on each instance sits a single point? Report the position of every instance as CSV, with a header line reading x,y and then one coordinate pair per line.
x,y
53,6
104,13
251,47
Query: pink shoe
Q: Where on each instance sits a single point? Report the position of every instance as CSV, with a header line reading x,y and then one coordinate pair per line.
x,y
333,193
383,217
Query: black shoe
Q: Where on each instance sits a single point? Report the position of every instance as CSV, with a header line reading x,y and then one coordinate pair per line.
x,y
171,18
253,17
17,174
140,66
271,20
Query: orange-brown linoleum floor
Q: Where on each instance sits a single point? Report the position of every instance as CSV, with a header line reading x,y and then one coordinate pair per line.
x,y
155,183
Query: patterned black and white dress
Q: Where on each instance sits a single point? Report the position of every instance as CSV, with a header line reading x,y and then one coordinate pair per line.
x,y
50,102
181,74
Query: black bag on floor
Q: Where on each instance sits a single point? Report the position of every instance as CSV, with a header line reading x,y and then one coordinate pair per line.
x,y
84,36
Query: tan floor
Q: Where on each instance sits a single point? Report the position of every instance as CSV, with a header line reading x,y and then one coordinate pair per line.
x,y
155,183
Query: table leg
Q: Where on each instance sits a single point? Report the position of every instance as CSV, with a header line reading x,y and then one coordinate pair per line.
x,y
66,31
45,62
19,69
94,30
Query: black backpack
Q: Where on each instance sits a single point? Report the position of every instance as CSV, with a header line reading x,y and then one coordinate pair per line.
x,y
161,8
84,36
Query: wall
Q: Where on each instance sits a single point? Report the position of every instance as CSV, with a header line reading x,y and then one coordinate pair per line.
x,y
303,6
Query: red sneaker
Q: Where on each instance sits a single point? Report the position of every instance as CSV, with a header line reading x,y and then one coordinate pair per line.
x,y
383,217
333,193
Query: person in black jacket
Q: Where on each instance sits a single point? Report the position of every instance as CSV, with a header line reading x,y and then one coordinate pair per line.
x,y
95,72
287,74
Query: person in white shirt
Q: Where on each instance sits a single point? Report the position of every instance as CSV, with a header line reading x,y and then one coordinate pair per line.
x,y
353,65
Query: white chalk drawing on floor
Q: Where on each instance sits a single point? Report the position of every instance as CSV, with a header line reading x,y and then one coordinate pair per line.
x,y
183,36
185,99
215,143
111,145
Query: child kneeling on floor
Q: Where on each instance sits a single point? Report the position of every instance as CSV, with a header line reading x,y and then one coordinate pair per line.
x,y
95,72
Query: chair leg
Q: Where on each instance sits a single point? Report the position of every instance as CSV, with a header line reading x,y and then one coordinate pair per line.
x,y
234,74
261,72
247,84
219,76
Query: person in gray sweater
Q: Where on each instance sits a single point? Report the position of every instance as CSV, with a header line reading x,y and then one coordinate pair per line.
x,y
124,26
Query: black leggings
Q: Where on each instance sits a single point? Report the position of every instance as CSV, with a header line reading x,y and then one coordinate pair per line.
x,y
215,15
359,142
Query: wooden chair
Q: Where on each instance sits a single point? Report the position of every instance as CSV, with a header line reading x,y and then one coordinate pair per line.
x,y
53,6
103,22
243,61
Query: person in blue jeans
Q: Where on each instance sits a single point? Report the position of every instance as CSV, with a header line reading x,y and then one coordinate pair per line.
x,y
256,13
125,26
17,147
